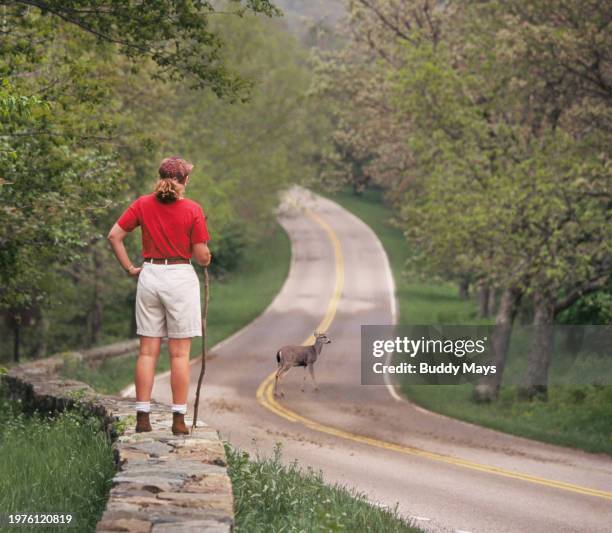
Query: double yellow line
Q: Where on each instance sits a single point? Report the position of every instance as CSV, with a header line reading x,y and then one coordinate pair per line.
x,y
265,397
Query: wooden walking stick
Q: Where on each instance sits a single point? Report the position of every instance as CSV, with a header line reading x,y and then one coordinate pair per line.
x,y
203,367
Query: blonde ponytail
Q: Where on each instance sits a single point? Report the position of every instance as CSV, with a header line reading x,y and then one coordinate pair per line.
x,y
167,190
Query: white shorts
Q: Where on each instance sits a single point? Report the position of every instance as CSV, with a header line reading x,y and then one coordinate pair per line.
x,y
168,302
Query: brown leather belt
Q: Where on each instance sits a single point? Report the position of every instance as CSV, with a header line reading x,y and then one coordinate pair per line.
x,y
167,261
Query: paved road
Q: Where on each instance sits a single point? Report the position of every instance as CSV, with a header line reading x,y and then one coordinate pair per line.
x,y
444,474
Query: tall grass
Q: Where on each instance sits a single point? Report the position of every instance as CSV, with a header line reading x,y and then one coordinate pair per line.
x,y
234,302
53,465
271,497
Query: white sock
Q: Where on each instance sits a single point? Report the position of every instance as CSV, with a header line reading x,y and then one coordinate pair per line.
x,y
143,407
179,408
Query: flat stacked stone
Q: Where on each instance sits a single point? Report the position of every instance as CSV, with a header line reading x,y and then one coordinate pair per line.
x,y
164,483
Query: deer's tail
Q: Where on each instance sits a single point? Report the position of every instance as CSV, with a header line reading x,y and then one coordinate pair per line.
x,y
279,356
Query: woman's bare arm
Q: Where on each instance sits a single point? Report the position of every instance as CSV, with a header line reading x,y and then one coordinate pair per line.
x,y
201,253
115,237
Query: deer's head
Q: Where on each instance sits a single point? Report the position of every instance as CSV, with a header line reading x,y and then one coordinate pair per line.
x,y
321,338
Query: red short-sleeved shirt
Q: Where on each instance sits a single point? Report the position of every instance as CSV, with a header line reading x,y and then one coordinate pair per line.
x,y
168,230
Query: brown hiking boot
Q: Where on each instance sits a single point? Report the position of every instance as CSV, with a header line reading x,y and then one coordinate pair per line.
x,y
142,422
178,424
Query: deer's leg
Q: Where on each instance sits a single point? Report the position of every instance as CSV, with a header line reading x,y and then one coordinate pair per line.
x,y
303,389
276,380
311,369
281,372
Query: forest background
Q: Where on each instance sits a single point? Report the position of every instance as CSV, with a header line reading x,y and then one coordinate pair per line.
x,y
486,125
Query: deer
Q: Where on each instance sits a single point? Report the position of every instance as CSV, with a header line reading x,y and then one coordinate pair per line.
x,y
289,356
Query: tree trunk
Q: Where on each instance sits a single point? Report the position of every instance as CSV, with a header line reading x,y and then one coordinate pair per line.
x,y
488,388
95,312
492,304
17,341
482,299
464,288
40,333
540,354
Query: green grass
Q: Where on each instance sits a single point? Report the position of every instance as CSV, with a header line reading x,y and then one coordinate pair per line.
x,y
575,416
59,465
234,302
272,497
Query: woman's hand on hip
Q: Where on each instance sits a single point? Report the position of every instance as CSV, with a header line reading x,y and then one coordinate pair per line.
x,y
134,271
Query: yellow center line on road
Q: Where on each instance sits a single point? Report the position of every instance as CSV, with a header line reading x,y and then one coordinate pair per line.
x,y
265,397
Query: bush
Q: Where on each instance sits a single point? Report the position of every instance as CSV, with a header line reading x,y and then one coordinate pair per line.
x,y
229,248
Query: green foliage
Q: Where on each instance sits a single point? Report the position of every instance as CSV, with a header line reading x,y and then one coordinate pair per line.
x,y
479,120
46,219
13,105
60,465
247,152
70,58
124,423
229,249
592,309
177,36
54,181
77,394
271,496
89,120
485,200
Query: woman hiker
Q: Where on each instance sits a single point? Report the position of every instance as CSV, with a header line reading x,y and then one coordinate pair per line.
x,y
168,295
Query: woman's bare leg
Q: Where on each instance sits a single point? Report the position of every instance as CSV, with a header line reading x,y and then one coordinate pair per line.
x,y
179,369
145,367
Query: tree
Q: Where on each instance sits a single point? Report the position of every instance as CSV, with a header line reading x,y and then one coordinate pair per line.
x,y
367,143
101,102
537,186
177,36
561,53
63,130
502,115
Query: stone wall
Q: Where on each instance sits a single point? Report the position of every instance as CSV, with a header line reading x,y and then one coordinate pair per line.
x,y
163,483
